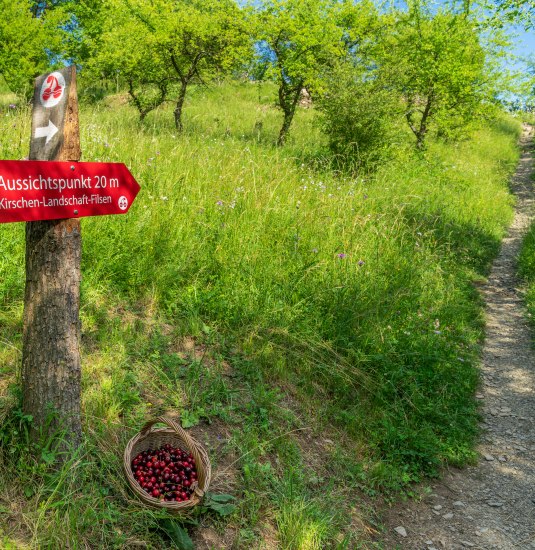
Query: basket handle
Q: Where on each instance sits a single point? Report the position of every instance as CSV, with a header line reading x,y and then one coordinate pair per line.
x,y
190,443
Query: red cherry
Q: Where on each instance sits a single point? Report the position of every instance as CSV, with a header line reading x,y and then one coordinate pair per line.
x,y
155,493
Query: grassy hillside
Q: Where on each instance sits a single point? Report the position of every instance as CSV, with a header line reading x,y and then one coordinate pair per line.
x,y
318,331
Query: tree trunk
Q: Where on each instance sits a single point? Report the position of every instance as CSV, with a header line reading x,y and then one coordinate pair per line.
x,y
51,369
180,105
288,102
288,117
422,131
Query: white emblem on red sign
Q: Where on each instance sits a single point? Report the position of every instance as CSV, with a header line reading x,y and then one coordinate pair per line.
x,y
52,90
123,203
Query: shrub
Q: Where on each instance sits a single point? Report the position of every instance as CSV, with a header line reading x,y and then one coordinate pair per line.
x,y
359,117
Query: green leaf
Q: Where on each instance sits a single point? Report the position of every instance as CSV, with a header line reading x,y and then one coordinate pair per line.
x,y
177,534
221,509
222,498
48,457
189,419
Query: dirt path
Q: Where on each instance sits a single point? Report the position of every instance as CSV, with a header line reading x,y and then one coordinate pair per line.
x,y
491,505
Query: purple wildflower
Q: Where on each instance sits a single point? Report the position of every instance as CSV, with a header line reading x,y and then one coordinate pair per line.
x,y
12,106
361,263
342,255
219,203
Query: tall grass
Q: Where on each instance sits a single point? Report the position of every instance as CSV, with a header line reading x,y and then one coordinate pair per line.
x,y
345,300
526,268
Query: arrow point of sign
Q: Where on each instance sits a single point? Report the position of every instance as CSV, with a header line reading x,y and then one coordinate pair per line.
x,y
48,131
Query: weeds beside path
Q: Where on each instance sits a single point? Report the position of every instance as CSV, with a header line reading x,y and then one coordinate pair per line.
x,y
491,505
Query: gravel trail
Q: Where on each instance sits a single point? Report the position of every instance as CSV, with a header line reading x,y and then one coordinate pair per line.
x,y
491,505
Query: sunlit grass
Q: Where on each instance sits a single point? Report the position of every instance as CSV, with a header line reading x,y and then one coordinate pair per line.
x,y
261,290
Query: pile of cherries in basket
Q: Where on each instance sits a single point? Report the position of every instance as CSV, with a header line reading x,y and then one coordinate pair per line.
x,y
166,474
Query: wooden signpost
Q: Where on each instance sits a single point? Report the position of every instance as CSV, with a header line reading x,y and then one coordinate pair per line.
x,y
51,369
51,196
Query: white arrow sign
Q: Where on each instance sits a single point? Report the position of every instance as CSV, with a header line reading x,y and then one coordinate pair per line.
x,y
48,131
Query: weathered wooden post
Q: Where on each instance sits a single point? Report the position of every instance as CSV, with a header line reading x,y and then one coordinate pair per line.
x,y
51,369
51,191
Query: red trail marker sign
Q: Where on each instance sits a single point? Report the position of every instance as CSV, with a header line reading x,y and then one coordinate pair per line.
x,y
48,190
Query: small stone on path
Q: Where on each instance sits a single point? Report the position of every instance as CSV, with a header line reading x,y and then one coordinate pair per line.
x,y
488,458
448,516
401,531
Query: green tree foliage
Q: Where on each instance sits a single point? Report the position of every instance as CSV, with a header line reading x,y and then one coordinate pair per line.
x,y
129,49
360,110
88,19
27,43
438,65
155,44
521,12
299,40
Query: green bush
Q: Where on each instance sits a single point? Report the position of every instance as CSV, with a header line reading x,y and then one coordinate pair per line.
x,y
360,116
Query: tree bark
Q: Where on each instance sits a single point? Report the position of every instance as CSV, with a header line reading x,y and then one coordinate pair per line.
x,y
419,132
422,132
288,100
283,134
180,105
51,367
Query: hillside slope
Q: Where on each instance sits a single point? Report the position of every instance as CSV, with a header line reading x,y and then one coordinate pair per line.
x,y
319,331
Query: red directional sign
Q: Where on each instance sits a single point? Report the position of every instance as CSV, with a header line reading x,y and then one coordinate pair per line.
x,y
46,190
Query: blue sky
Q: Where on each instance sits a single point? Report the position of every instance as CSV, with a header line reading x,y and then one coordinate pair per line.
x,y
524,43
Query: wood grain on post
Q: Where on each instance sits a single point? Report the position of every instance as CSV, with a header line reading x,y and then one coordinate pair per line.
x,y
51,368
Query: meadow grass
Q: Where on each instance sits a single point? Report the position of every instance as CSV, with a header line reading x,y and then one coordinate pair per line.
x,y
319,330
526,269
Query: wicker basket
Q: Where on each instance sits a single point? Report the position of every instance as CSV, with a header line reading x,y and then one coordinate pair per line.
x,y
153,438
